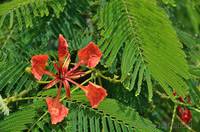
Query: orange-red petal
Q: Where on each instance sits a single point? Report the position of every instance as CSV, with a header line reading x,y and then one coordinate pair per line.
x,y
52,83
95,94
57,110
63,52
39,63
90,55
67,88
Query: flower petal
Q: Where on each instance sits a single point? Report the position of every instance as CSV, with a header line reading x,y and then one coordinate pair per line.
x,y
39,63
180,110
57,110
67,88
63,52
52,83
90,55
186,116
94,93
76,74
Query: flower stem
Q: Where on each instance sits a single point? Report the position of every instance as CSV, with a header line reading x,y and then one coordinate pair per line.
x,y
178,102
99,74
37,121
164,96
43,82
99,79
14,99
173,116
88,72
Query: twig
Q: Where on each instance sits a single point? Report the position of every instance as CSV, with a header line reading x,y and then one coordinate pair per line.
x,y
43,82
14,98
99,80
173,116
178,102
99,74
37,121
25,98
81,84
164,96
188,105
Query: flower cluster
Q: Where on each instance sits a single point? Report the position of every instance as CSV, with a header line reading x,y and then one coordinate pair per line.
x,y
183,112
88,56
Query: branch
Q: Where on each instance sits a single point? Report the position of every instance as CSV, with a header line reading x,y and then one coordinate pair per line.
x,y
193,107
99,74
172,122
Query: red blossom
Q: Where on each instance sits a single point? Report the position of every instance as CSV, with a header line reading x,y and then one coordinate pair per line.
x,y
183,112
57,110
186,115
95,94
90,55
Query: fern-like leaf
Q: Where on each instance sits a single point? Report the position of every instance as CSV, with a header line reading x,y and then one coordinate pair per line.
x,y
17,121
149,43
25,10
116,118
110,116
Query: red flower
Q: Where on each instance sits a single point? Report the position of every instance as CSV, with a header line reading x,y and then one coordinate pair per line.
x,y
90,56
186,116
184,113
57,110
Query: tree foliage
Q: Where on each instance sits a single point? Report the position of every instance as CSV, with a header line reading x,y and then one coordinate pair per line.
x,y
150,50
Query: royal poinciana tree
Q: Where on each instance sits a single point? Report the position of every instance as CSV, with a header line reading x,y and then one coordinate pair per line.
x,y
100,65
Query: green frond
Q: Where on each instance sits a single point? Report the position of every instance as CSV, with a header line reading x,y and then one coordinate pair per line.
x,y
17,121
169,2
24,11
192,45
110,116
73,25
15,79
117,118
18,47
82,117
150,46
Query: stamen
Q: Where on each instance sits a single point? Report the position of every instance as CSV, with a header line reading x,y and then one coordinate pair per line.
x,y
59,91
75,67
80,86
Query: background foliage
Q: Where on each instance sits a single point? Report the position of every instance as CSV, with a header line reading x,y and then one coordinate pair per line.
x,y
150,49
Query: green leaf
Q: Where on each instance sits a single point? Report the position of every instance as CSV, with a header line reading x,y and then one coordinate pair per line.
x,y
29,10
169,2
126,114
143,32
17,121
111,112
